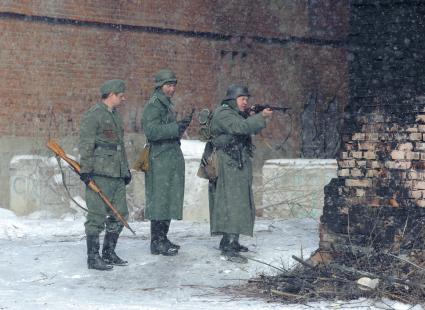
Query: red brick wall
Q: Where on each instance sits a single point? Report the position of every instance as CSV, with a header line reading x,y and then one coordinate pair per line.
x,y
329,18
50,71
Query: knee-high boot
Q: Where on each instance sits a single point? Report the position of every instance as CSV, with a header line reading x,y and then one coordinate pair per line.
x,y
230,250
166,228
94,261
108,250
237,245
159,245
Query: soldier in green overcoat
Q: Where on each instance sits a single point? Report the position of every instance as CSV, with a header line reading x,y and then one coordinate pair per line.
x,y
164,180
104,160
231,203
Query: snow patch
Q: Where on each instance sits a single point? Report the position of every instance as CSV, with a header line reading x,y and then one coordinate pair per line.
x,y
303,163
6,214
10,226
192,149
46,259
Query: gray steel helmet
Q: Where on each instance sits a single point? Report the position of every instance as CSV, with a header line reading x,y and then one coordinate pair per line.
x,y
235,91
164,76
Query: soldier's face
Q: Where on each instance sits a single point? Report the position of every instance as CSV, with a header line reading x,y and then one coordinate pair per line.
x,y
242,103
118,99
169,89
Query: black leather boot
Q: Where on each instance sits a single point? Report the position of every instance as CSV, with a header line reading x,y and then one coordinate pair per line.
x,y
230,251
238,246
94,261
224,242
235,243
166,229
108,251
159,244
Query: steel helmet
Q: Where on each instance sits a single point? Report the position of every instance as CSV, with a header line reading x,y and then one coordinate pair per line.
x,y
235,91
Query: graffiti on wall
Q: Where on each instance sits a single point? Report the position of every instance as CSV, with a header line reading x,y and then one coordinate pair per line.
x,y
37,185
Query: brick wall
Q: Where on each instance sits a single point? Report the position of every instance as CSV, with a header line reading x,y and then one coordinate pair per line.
x,y
378,199
327,18
55,54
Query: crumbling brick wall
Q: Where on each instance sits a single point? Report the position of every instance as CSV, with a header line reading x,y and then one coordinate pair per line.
x,y
378,199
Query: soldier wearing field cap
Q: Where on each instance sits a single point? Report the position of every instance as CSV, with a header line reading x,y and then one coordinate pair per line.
x,y
104,160
164,180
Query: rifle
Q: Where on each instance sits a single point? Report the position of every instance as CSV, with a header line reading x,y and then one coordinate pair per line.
x,y
55,148
257,108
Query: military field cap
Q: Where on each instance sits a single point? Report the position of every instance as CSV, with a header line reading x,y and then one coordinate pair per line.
x,y
235,91
164,76
112,86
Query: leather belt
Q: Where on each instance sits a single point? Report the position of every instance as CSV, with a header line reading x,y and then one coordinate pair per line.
x,y
164,141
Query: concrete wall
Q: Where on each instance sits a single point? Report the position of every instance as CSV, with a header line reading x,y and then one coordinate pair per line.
x,y
290,188
22,147
294,187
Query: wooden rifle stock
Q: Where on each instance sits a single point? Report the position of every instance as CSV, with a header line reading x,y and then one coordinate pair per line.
x,y
58,150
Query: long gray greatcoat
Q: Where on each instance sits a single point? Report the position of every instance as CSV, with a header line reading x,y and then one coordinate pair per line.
x,y
232,207
164,181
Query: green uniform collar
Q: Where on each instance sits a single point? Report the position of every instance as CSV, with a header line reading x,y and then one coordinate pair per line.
x,y
105,107
164,99
231,103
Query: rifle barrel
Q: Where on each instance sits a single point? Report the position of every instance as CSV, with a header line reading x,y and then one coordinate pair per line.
x,y
278,109
257,108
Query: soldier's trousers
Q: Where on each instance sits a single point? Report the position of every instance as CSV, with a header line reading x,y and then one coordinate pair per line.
x,y
100,216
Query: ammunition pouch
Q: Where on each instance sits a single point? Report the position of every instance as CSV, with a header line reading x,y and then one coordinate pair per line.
x,y
234,146
234,151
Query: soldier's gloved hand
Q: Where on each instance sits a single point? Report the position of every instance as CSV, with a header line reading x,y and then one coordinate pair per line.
x,y
188,118
86,178
127,179
183,124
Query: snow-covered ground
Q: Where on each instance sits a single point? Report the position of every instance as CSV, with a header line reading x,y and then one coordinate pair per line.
x,y
43,266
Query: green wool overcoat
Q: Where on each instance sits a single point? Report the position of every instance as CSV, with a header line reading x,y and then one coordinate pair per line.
x,y
164,181
231,200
